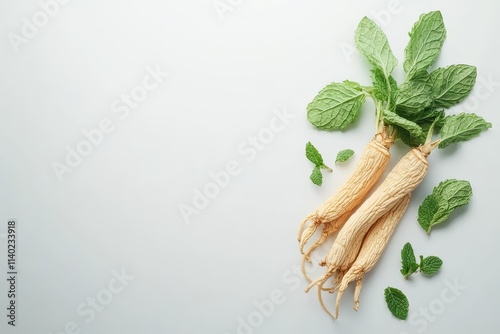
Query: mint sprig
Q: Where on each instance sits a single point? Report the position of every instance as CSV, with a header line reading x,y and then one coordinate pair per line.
x,y
313,155
427,266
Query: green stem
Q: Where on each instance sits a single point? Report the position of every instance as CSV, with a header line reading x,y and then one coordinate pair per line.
x,y
325,167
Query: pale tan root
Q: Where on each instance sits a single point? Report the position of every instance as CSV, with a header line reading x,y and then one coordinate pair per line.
x,y
401,181
320,298
322,279
372,248
303,224
370,167
328,230
357,291
335,282
309,232
306,275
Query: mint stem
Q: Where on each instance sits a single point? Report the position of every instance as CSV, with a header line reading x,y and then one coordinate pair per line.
x,y
325,167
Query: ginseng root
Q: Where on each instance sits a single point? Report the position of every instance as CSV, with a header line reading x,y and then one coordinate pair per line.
x,y
401,181
370,167
372,248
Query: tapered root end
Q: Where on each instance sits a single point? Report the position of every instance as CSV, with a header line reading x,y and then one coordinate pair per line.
x,y
302,225
357,291
337,302
320,280
320,298
304,271
307,234
322,238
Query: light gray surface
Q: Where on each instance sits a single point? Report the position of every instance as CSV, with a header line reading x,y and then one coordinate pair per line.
x,y
228,76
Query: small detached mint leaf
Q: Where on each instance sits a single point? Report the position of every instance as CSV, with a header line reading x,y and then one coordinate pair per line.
x,y
344,155
313,155
397,302
445,198
408,261
316,176
430,264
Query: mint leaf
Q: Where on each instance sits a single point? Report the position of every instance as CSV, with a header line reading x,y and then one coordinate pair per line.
x,y
413,128
313,155
446,197
414,96
461,127
425,119
426,39
372,43
408,139
352,84
452,84
316,176
381,90
430,264
397,302
408,261
427,212
336,106
428,116
344,155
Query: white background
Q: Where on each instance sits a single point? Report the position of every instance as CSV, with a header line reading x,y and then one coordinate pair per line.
x,y
229,72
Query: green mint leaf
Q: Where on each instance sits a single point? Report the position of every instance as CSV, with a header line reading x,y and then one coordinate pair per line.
x,y
430,264
426,117
313,155
316,176
446,197
427,212
344,155
414,96
408,139
379,84
408,261
352,84
461,127
336,106
452,84
393,119
397,302
426,39
382,90
372,43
